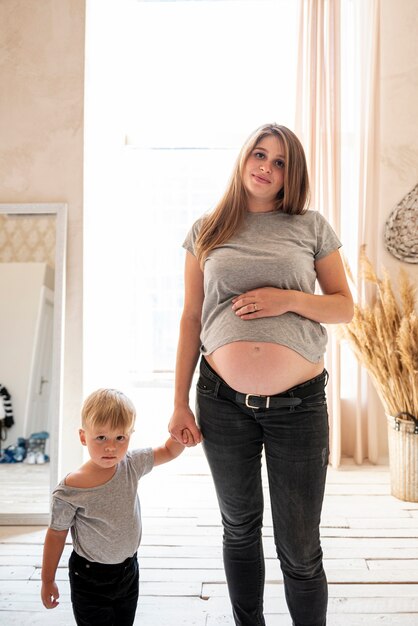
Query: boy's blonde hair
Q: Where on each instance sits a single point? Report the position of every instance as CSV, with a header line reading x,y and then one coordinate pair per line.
x,y
110,408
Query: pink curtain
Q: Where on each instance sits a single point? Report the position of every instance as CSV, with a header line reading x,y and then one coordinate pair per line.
x,y
322,130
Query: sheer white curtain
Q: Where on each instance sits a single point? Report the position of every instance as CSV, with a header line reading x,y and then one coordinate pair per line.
x,y
337,121
369,412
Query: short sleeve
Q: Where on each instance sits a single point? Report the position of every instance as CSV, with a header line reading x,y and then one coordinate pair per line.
x,y
189,242
142,460
62,514
326,239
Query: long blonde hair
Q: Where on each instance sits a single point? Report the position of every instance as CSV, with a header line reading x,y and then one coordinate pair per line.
x,y
228,215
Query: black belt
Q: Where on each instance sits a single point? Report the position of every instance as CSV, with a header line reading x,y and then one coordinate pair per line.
x,y
280,400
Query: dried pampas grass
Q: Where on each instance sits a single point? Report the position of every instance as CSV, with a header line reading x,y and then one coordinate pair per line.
x,y
384,338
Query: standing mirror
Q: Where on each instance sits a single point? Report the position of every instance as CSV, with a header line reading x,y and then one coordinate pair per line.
x,y
32,282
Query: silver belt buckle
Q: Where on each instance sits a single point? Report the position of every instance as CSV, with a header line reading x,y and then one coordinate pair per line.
x,y
256,395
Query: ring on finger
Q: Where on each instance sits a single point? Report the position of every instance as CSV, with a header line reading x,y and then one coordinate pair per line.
x,y
255,307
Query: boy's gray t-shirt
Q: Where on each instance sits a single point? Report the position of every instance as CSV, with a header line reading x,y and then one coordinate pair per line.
x,y
271,250
105,521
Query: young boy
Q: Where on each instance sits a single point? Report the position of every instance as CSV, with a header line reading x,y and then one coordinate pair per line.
x,y
99,502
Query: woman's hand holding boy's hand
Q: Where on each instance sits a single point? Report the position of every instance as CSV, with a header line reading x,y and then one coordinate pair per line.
x,y
263,302
50,594
182,427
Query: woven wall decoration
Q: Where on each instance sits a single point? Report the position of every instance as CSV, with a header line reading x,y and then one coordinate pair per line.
x,y
401,230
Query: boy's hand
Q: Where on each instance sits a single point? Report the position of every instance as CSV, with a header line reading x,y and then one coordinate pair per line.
x,y
50,595
187,437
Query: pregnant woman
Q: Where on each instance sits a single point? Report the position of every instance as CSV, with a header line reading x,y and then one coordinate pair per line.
x,y
251,312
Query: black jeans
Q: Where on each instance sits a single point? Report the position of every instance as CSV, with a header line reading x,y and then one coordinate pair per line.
x,y
295,441
103,595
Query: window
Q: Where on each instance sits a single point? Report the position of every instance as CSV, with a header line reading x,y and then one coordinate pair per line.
x,y
172,91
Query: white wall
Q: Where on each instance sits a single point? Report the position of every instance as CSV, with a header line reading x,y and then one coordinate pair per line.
x,y
398,115
41,130
398,129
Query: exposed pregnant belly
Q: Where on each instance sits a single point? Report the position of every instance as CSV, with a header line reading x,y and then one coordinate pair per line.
x,y
261,368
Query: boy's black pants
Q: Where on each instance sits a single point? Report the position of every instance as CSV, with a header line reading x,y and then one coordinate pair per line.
x,y
103,595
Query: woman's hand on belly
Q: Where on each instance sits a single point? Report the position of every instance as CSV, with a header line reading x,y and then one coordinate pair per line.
x,y
263,302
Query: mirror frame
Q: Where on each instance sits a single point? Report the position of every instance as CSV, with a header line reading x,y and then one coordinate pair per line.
x,y
60,212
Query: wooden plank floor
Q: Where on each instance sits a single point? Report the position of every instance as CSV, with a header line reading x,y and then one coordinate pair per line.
x,y
370,542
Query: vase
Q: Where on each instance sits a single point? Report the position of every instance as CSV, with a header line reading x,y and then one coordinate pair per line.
x,y
403,456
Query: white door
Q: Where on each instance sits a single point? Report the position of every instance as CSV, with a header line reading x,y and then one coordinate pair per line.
x,y
38,413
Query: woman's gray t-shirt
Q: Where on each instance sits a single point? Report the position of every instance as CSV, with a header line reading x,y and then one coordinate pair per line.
x,y
105,521
271,250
